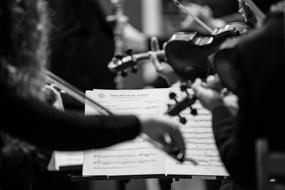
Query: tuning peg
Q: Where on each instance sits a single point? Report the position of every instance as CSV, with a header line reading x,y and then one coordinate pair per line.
x,y
119,57
123,73
193,111
173,96
183,87
129,52
134,69
182,120
169,106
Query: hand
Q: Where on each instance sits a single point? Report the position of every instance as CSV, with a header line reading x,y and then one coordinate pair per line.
x,y
231,101
162,68
166,132
53,97
208,94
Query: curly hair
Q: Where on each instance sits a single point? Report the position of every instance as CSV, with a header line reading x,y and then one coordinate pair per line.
x,y
23,45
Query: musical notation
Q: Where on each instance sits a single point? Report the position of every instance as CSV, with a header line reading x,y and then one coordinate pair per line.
x,y
140,157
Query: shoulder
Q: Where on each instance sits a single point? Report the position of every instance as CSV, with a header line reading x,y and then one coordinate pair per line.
x,y
271,31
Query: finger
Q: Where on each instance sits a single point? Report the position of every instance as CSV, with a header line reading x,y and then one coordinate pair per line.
x,y
154,61
197,87
214,83
177,144
163,144
154,45
171,147
164,46
197,82
210,78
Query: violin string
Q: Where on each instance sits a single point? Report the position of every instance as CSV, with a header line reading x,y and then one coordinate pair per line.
x,y
76,93
199,21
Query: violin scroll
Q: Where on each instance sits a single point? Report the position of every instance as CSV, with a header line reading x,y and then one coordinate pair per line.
x,y
120,64
179,106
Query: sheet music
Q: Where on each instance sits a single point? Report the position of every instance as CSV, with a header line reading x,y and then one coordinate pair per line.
x,y
137,157
65,158
201,147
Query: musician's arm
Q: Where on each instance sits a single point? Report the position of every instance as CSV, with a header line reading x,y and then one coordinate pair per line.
x,y
235,149
45,126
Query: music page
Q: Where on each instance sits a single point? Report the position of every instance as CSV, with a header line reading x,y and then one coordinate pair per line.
x,y
202,157
137,157
65,159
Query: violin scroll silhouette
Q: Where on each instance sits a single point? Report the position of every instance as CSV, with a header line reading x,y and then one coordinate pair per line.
x,y
120,64
179,106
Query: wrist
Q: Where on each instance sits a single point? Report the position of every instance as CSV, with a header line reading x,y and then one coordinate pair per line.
x,y
216,104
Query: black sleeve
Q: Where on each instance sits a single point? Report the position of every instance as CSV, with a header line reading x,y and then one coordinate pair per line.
x,y
47,127
234,143
260,58
223,127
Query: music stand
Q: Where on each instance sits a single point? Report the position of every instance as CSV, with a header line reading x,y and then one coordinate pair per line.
x,y
167,180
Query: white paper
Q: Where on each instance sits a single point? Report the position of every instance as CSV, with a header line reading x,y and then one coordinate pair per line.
x,y
65,158
201,147
138,157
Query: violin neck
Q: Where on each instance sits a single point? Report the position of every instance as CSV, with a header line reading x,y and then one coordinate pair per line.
x,y
144,56
131,61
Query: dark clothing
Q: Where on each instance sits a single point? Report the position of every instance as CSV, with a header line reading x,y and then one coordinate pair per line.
x,y
24,166
264,5
260,59
49,128
82,44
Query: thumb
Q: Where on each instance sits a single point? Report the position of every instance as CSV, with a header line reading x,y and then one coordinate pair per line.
x,y
197,86
154,45
154,61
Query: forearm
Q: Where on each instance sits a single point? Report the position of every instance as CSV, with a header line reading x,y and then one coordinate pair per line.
x,y
44,126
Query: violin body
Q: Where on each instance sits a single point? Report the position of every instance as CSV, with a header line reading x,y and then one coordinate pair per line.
x,y
188,53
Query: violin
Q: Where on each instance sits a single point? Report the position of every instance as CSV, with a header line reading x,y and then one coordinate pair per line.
x,y
188,48
187,53
194,62
177,51
120,64
180,105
